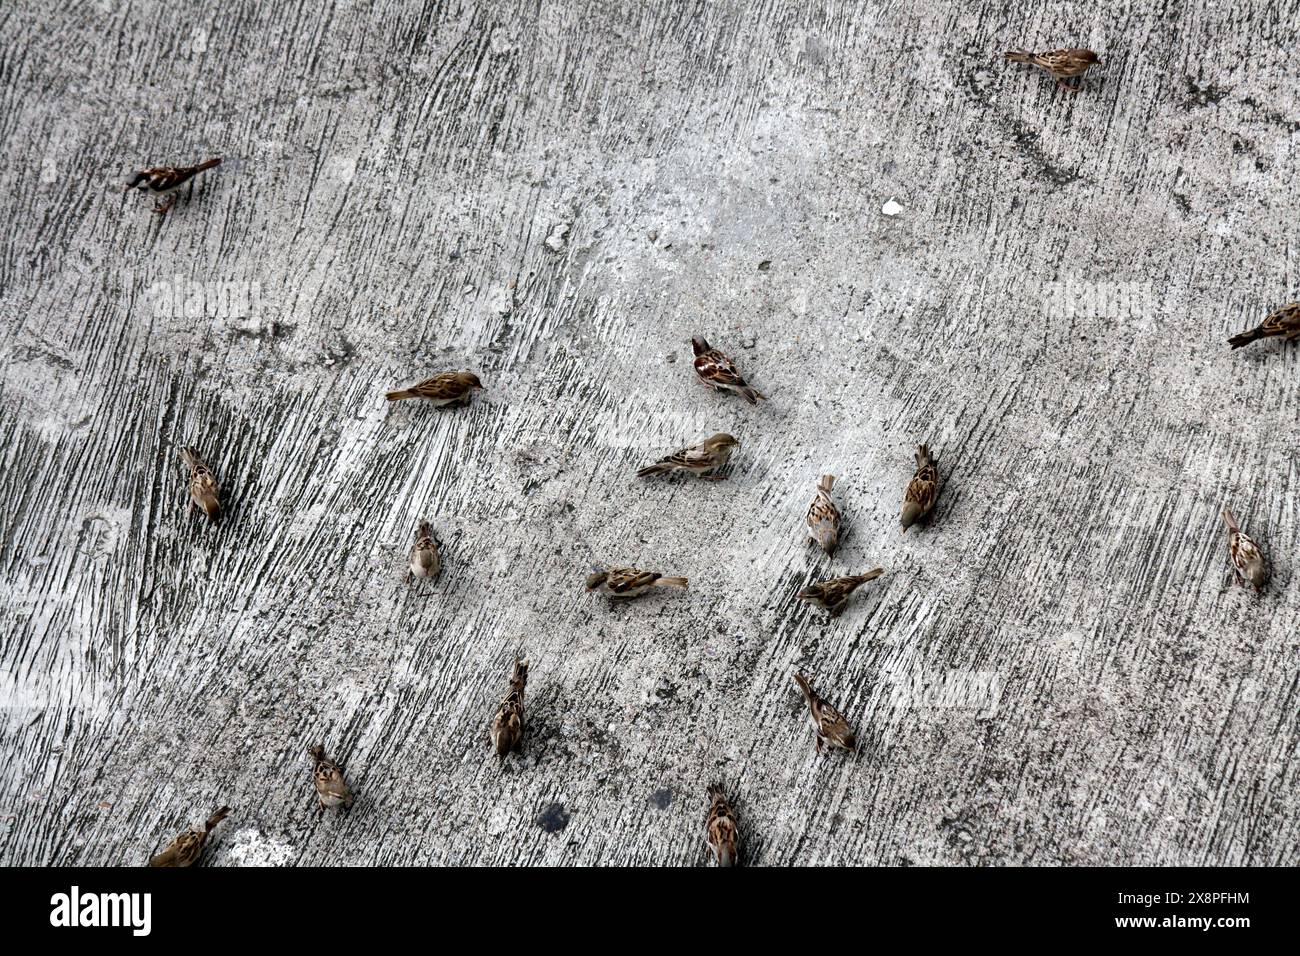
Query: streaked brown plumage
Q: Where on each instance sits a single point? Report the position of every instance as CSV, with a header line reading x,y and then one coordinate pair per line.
x,y
508,724
627,583
1059,64
1285,322
718,372
921,491
186,849
1247,558
444,389
833,595
203,488
331,787
425,561
167,181
703,459
721,829
829,725
824,518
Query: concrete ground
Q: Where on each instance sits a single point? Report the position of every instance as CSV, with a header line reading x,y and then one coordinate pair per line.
x,y
898,237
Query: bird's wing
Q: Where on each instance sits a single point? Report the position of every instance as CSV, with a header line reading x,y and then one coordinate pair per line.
x,y
622,580
719,369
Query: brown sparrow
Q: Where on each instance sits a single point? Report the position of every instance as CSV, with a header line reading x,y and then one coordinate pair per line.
x,y
425,562
445,389
723,833
629,582
921,490
824,518
186,849
719,372
331,788
167,181
702,459
1059,64
1284,322
508,724
830,726
203,485
1247,559
833,595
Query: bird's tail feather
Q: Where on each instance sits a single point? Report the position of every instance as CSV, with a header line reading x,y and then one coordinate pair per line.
x,y
217,816
1230,520
658,468
671,582
869,576
1020,56
804,686
208,164
827,482
399,395
751,395
1245,338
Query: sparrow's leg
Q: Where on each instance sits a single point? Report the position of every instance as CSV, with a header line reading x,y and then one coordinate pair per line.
x,y
162,208
819,743
1069,88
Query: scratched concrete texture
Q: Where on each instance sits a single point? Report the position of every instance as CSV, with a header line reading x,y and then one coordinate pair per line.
x,y
898,237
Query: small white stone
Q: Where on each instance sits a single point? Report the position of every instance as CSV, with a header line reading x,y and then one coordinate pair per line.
x,y
891,208
555,241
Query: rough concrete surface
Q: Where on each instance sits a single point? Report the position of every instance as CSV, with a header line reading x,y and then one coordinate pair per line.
x,y
558,195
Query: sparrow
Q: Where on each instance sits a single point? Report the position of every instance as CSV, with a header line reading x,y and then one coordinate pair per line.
x,y
203,486
1285,321
719,372
1059,64
425,562
830,726
702,459
167,181
629,582
1247,559
508,724
833,595
186,849
447,388
921,490
331,788
723,833
824,518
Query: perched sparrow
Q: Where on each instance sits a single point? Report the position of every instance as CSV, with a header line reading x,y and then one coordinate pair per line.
x,y
723,833
1059,64
629,582
1247,559
425,562
203,485
508,724
328,777
824,517
719,372
444,389
186,849
834,594
830,726
921,490
1285,321
167,181
702,459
